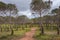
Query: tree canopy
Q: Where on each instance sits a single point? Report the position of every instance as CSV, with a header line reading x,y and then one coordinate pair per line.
x,y
39,5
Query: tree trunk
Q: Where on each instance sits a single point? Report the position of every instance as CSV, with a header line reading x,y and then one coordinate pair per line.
x,y
46,26
42,29
12,32
58,30
1,29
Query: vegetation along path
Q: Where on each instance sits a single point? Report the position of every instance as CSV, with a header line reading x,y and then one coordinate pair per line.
x,y
29,35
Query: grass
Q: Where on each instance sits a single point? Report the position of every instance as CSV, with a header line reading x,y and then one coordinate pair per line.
x,y
20,33
50,36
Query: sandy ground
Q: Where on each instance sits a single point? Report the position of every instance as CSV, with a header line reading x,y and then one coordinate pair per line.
x,y
29,35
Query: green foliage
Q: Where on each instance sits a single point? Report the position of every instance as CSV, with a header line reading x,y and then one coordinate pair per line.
x,y
46,36
5,34
19,31
38,5
2,6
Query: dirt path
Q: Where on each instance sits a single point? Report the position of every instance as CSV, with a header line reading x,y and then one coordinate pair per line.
x,y
29,35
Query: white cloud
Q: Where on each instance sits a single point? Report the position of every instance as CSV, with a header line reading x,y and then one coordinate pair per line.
x,y
56,4
27,13
23,6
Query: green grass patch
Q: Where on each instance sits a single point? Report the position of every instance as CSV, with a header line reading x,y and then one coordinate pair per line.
x,y
38,36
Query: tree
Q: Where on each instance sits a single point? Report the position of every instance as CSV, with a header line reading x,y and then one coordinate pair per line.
x,y
57,11
46,19
2,6
12,11
2,10
7,11
40,6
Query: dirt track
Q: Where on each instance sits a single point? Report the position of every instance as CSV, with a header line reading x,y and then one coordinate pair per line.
x,y
29,35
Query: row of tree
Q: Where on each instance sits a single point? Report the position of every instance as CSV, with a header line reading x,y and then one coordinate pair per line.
x,y
14,20
7,11
41,7
9,14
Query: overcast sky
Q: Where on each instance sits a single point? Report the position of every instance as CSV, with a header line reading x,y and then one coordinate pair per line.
x,y
24,5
